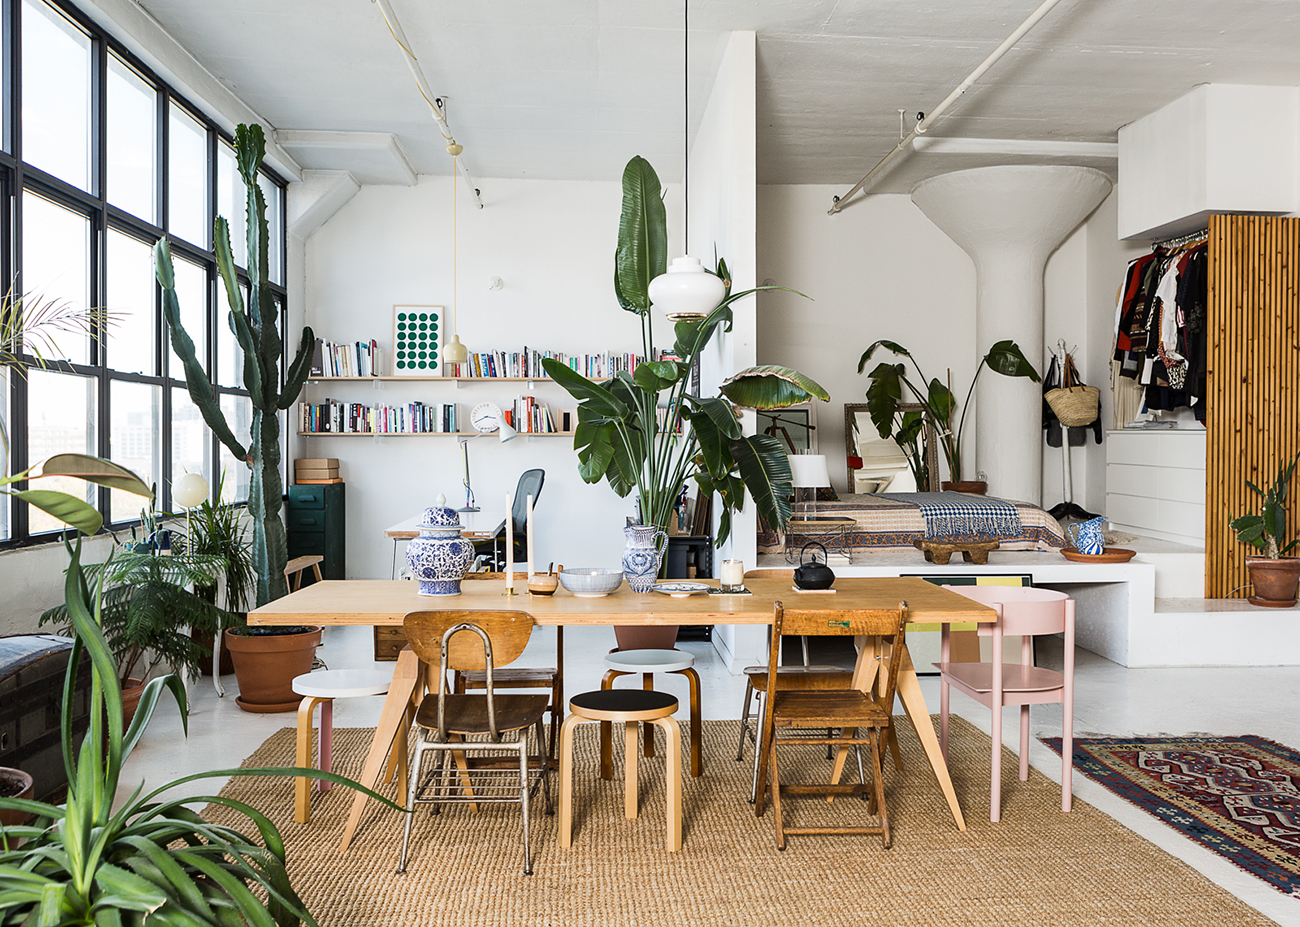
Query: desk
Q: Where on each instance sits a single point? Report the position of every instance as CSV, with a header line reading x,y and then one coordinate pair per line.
x,y
386,602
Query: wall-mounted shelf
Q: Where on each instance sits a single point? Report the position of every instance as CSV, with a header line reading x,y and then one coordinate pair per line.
x,y
449,379
425,434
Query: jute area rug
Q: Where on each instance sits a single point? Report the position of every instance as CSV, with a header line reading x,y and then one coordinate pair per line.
x,y
1237,796
1038,866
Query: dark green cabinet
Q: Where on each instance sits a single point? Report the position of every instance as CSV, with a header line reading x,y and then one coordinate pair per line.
x,y
315,516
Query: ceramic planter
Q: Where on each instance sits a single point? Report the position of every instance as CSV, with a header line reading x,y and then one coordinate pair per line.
x,y
21,784
132,689
439,557
265,667
1275,581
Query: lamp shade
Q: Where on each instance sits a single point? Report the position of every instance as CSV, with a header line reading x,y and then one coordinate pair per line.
x,y
687,291
809,471
453,352
507,432
190,490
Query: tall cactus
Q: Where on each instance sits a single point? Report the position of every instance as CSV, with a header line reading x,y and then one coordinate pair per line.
x,y
255,328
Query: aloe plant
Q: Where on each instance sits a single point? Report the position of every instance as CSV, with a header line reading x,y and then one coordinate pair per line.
x,y
620,436
255,328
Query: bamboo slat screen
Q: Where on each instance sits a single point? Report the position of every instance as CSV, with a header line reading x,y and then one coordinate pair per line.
x,y
1253,361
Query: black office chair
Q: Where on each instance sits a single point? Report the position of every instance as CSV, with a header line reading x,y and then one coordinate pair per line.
x,y
530,484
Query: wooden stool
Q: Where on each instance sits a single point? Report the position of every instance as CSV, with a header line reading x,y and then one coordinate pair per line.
x,y
294,569
629,706
647,663
938,550
321,688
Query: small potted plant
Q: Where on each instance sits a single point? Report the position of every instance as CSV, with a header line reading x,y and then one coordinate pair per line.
x,y
222,530
1274,576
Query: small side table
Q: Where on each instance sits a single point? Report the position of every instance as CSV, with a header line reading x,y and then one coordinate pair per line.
x,y
829,530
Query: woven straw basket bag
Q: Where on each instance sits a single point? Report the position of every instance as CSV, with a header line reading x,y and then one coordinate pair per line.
x,y
1076,404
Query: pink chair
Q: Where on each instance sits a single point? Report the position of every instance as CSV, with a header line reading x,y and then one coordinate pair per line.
x,y
1024,611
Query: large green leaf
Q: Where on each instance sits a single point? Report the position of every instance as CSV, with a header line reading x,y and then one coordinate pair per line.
x,y
595,445
653,376
771,387
887,345
1006,358
98,471
68,509
600,400
765,469
715,447
722,413
942,403
642,236
884,393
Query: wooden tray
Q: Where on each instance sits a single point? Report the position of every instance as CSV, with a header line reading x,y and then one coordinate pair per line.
x,y
1109,555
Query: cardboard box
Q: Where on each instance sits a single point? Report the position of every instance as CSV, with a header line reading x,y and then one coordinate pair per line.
x,y
332,474
316,463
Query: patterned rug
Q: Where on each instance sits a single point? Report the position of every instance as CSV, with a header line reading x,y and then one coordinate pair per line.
x,y
1238,796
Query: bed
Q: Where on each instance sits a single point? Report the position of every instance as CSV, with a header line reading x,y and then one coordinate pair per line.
x,y
890,521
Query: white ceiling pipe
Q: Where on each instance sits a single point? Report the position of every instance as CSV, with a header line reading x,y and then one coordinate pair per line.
x,y
905,144
436,103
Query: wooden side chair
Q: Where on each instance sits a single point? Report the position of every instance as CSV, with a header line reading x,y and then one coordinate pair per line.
x,y
862,718
473,641
1025,611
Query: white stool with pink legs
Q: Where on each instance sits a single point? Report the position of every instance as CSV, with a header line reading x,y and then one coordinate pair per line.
x,y
321,688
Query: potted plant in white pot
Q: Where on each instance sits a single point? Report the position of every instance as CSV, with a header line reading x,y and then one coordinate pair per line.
x,y
1274,576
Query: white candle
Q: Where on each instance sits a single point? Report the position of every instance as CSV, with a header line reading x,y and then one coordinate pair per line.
x,y
531,559
733,573
510,544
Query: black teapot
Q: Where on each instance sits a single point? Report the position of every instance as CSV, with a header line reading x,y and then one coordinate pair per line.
x,y
813,575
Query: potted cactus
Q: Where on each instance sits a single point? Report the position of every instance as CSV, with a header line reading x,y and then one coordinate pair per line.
x,y
1274,575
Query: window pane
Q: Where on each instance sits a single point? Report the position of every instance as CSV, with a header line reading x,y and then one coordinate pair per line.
x,y
191,439
239,415
61,413
192,293
56,94
187,181
131,304
132,141
230,356
134,441
232,202
272,193
56,262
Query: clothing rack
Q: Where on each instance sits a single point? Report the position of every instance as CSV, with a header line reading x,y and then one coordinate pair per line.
x,y
1202,235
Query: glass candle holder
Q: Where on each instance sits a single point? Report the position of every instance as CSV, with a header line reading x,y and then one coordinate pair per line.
x,y
732,576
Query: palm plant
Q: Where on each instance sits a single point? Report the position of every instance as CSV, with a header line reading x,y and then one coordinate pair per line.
x,y
628,431
255,329
221,530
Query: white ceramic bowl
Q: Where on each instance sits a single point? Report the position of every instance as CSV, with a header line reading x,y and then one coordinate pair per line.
x,y
591,582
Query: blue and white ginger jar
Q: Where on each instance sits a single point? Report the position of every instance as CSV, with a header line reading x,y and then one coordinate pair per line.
x,y
439,558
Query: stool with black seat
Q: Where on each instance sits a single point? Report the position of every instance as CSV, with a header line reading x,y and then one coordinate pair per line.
x,y
648,662
629,707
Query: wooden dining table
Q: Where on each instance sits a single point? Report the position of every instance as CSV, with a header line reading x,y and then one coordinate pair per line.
x,y
386,602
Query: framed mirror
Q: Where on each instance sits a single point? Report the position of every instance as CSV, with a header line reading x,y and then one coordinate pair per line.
x,y
915,455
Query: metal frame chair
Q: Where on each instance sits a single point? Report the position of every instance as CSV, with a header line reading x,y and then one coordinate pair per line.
x,y
448,720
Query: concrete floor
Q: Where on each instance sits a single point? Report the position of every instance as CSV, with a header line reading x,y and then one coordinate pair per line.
x,y
1109,700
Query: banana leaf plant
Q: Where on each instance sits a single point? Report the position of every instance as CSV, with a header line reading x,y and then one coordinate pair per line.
x,y
255,329
885,393
644,430
1266,532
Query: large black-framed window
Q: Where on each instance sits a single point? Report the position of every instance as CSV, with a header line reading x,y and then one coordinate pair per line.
x,y
100,158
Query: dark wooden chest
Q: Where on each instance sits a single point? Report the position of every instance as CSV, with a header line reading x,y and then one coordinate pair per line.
x,y
32,669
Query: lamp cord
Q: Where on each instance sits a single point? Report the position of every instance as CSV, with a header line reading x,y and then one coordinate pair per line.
x,y
455,296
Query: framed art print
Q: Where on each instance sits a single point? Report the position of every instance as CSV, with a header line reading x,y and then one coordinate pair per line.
x,y
417,341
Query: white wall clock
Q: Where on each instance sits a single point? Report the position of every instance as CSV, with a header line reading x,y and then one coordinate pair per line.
x,y
485,417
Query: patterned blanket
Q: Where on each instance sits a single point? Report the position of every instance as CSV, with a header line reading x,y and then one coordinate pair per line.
x,y
965,516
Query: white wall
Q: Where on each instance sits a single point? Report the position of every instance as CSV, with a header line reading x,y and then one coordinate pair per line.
x,y
552,242
32,581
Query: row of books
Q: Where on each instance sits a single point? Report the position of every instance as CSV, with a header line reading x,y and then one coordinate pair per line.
x,y
330,417
528,416
528,363
353,359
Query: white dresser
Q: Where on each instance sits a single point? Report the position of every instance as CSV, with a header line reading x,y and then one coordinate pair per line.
x,y
1155,484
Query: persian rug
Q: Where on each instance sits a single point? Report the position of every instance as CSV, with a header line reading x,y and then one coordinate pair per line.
x,y
1038,866
1237,796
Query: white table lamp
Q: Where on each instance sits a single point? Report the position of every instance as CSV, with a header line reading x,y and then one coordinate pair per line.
x,y
809,473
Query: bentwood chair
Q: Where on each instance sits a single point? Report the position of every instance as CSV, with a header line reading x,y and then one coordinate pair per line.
x,y
474,733
862,718
1026,611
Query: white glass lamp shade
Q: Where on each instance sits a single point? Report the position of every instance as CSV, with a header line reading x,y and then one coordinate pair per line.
x,y
190,490
507,432
453,352
687,291
809,471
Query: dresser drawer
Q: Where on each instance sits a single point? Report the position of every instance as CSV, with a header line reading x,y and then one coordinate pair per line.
x,y
389,642
307,497
302,543
306,519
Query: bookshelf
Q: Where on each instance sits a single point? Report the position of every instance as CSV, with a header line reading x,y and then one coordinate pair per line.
x,y
425,434
428,379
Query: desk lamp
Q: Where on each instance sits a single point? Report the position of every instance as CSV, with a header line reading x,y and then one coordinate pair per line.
x,y
486,417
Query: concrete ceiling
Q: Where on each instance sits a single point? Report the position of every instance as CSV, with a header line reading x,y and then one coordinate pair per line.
x,y
573,88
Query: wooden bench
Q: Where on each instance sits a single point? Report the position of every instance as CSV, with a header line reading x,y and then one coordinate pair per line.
x,y
294,569
939,551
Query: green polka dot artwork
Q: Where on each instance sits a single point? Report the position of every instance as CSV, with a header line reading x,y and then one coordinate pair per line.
x,y
417,350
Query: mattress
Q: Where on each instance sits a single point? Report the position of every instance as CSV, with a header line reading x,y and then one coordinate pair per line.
x,y
884,521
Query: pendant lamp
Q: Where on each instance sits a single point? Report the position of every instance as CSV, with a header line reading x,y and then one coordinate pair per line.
x,y
453,352
687,292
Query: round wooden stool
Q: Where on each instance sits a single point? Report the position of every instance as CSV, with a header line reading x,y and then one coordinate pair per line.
x,y
647,663
321,688
629,706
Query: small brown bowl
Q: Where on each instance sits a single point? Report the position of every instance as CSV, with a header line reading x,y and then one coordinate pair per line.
x,y
543,584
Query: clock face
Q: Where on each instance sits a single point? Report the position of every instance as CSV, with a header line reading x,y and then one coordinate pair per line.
x,y
485,417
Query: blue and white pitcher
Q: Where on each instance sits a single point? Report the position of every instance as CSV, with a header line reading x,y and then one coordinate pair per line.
x,y
1086,536
642,556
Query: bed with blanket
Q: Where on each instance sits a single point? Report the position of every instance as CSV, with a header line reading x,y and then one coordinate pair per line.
x,y
894,520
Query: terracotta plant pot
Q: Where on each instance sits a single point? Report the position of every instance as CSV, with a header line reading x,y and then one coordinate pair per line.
x,y
131,693
646,637
265,666
1275,581
14,783
205,640
978,487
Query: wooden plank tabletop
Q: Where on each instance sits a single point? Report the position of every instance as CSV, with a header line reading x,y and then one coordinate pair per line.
x,y
385,602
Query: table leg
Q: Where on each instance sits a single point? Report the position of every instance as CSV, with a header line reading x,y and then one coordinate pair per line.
x,y
404,690
909,692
